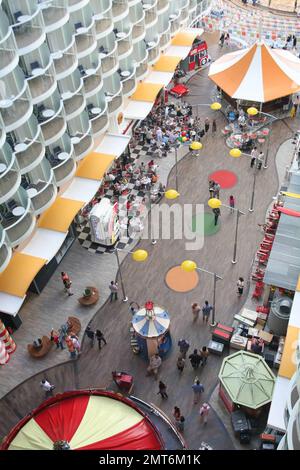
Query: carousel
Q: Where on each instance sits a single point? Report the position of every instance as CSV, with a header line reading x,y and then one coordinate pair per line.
x,y
86,420
151,327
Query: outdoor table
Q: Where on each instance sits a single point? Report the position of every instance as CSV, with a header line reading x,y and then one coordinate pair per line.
x,y
81,30
151,43
57,55
18,211
75,140
20,147
102,55
3,167
5,103
96,111
125,73
47,113
23,18
90,71
37,71
62,156
31,192
121,35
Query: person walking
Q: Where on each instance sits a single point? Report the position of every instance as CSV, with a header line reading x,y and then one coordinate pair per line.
x,y
67,283
100,337
214,127
204,412
221,40
217,213
195,310
206,125
206,311
198,388
260,160
113,291
154,365
204,353
47,387
180,424
217,188
240,286
195,359
91,335
211,188
254,155
176,413
231,204
180,363
162,390
183,347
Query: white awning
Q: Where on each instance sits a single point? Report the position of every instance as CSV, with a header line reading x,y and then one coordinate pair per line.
x,y
44,243
137,109
177,51
113,144
163,78
295,312
10,304
82,189
276,413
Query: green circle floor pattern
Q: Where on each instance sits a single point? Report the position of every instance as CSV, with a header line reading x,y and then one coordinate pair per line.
x,y
205,224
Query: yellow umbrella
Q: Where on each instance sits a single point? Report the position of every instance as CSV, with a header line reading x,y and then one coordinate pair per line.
x,y
196,146
252,111
295,195
140,255
188,266
235,153
215,106
171,194
214,203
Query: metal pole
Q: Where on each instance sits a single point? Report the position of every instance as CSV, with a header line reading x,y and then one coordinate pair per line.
x,y
120,273
236,237
176,173
150,218
268,145
253,190
213,322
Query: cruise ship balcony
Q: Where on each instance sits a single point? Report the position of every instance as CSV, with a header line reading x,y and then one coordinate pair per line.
x,y
64,63
18,220
99,123
82,145
128,82
120,10
165,40
40,186
85,44
8,61
74,106
109,63
64,171
28,37
114,103
17,114
153,52
30,157
138,31
141,70
10,178
41,87
150,14
5,249
162,6
175,23
54,16
103,26
53,129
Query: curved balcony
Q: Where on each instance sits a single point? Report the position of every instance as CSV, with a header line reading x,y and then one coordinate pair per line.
x,y
28,37
131,3
138,31
100,123
129,83
53,129
30,157
141,70
114,104
85,44
109,63
8,61
151,17
175,23
124,48
5,250
54,17
193,5
40,187
16,114
74,5
92,84
153,52
41,87
18,227
65,171
165,40
162,6
293,437
4,26
184,15
120,10
103,26
74,106
65,64
10,178
83,146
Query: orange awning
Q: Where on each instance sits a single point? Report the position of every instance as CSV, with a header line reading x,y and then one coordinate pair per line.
x,y
17,277
184,38
288,361
166,63
94,165
146,92
60,215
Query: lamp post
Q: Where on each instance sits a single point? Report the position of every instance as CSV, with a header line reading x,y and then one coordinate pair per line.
x,y
137,255
253,112
236,153
169,194
190,266
216,106
195,146
215,203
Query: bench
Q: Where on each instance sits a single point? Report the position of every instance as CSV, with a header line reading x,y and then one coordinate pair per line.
x,y
74,325
42,350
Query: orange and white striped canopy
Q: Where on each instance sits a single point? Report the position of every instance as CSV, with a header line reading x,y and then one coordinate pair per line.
x,y
258,73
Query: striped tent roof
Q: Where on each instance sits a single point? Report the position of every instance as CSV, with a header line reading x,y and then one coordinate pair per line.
x,y
151,327
258,73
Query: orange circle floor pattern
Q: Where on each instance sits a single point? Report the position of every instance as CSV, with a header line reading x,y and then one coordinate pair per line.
x,y
181,281
226,179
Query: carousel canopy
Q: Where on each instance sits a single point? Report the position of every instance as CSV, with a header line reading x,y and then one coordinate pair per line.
x,y
247,379
258,73
151,323
85,420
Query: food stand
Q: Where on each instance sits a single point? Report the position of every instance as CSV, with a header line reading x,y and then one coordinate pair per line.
x,y
151,325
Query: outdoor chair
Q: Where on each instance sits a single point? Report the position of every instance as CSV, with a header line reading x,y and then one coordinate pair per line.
x,y
42,350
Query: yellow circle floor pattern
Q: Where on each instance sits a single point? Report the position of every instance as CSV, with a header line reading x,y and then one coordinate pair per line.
x,y
179,280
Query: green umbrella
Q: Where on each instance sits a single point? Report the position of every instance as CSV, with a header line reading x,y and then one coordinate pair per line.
x,y
247,379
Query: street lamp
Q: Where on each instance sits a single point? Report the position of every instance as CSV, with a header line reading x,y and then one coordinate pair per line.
x,y
169,194
138,256
236,153
215,203
216,106
190,266
252,111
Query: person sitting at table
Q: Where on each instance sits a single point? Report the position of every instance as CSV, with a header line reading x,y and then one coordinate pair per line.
x,y
257,346
37,343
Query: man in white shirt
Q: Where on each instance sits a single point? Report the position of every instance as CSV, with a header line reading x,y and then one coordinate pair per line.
x,y
254,155
47,387
259,160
